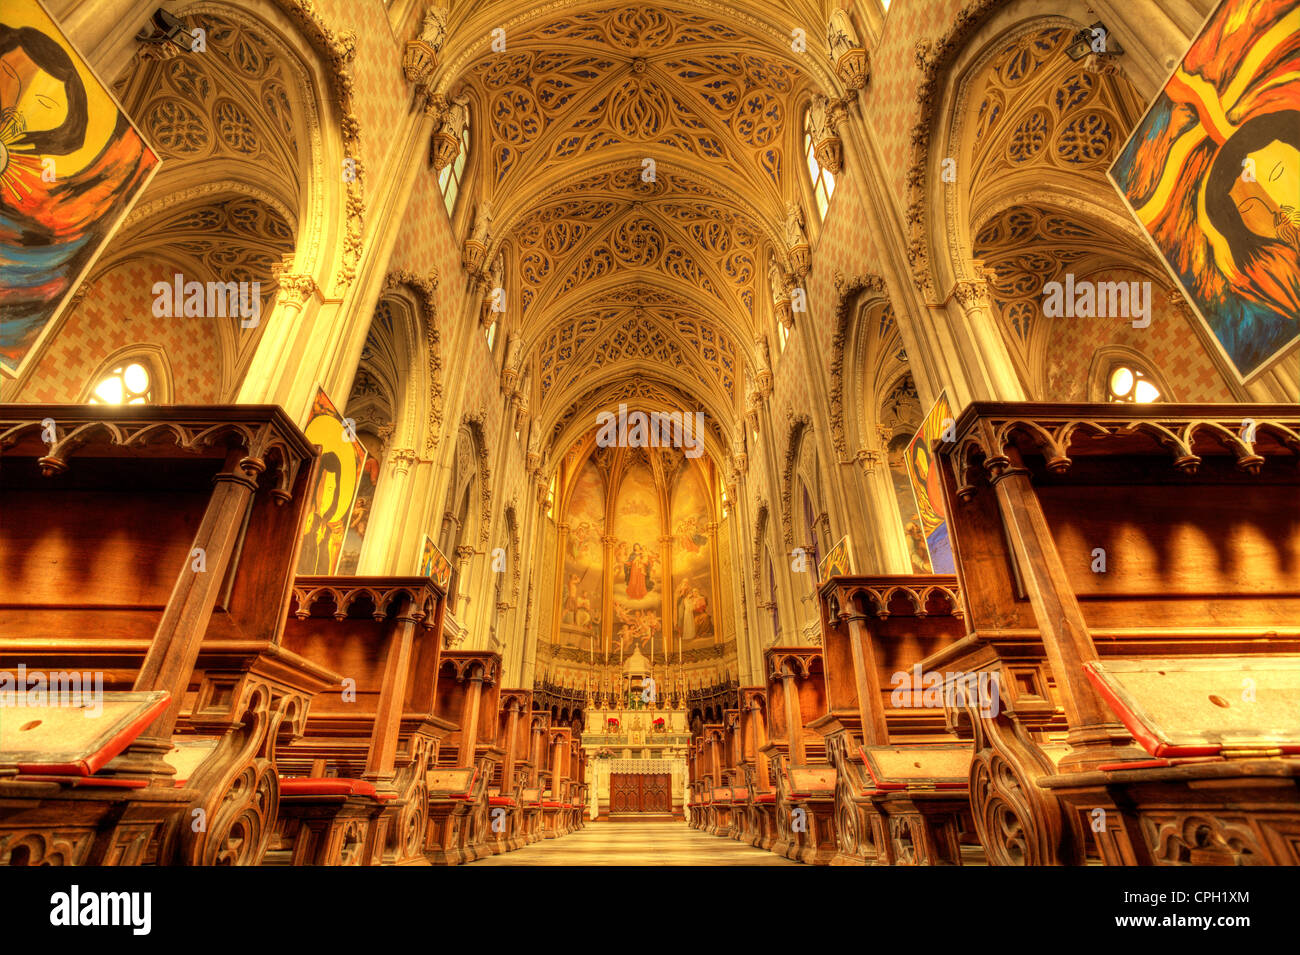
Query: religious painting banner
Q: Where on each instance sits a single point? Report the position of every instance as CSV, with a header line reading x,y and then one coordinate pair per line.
x,y
926,487
1212,173
360,518
434,565
71,165
837,563
338,476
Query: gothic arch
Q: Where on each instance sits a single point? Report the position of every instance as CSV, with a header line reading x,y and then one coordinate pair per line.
x,y
412,308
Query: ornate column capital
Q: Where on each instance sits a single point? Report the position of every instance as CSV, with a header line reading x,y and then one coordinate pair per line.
x,y
402,459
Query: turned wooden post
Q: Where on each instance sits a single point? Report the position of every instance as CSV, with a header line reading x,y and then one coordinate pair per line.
x,y
469,725
792,718
170,659
714,760
508,765
557,756
535,757
760,740
871,708
388,712
1095,735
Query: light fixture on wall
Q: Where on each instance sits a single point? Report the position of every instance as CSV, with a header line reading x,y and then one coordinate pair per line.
x,y
166,33
1093,41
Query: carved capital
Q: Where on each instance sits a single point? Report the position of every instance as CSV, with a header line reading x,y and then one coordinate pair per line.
x,y
402,459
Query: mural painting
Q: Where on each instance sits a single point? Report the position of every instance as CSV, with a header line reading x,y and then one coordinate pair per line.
x,y
638,567
584,561
1212,172
71,165
693,621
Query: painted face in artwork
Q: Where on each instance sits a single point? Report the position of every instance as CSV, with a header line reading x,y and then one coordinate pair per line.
x,y
42,99
1273,187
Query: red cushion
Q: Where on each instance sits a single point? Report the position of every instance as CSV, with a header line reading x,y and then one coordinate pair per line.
x,y
326,786
765,797
501,801
551,805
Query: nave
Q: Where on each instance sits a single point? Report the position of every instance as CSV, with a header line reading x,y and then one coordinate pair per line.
x,y
865,430
637,844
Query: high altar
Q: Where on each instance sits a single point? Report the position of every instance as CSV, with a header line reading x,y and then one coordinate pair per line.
x,y
636,746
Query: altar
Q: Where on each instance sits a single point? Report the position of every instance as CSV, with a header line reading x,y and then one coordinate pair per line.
x,y
636,764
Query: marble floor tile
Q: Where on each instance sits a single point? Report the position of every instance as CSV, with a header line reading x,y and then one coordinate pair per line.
x,y
636,843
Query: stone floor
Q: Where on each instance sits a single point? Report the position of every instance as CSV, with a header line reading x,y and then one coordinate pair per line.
x,y
636,843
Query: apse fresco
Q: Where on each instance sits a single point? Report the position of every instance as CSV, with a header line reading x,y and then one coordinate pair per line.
x,y
71,164
692,563
1212,172
584,562
637,569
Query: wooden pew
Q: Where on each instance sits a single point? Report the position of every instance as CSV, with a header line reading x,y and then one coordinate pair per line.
x,y
154,546
1112,536
466,697
738,794
555,804
355,783
803,778
759,791
902,793
530,796
506,813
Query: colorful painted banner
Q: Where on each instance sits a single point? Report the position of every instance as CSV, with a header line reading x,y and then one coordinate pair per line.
x,y
338,476
434,565
1212,173
926,486
837,563
71,165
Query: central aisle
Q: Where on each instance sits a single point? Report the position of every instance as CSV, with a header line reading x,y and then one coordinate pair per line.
x,y
637,843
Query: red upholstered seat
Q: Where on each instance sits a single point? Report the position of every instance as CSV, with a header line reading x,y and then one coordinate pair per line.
x,y
327,786
765,797
501,801
551,805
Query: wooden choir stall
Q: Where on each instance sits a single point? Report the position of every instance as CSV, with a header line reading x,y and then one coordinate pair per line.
x,y
185,700
1112,674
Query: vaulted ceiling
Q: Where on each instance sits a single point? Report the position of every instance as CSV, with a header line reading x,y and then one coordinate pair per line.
x,y
638,162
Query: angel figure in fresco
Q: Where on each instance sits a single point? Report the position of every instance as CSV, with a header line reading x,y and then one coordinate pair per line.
x,y
688,535
580,539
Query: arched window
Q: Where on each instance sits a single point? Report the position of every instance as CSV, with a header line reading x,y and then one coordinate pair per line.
x,y
823,182
1126,382
450,178
129,382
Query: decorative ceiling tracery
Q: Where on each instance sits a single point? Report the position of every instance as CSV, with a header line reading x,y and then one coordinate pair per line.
x,y
635,77
624,266
1040,113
